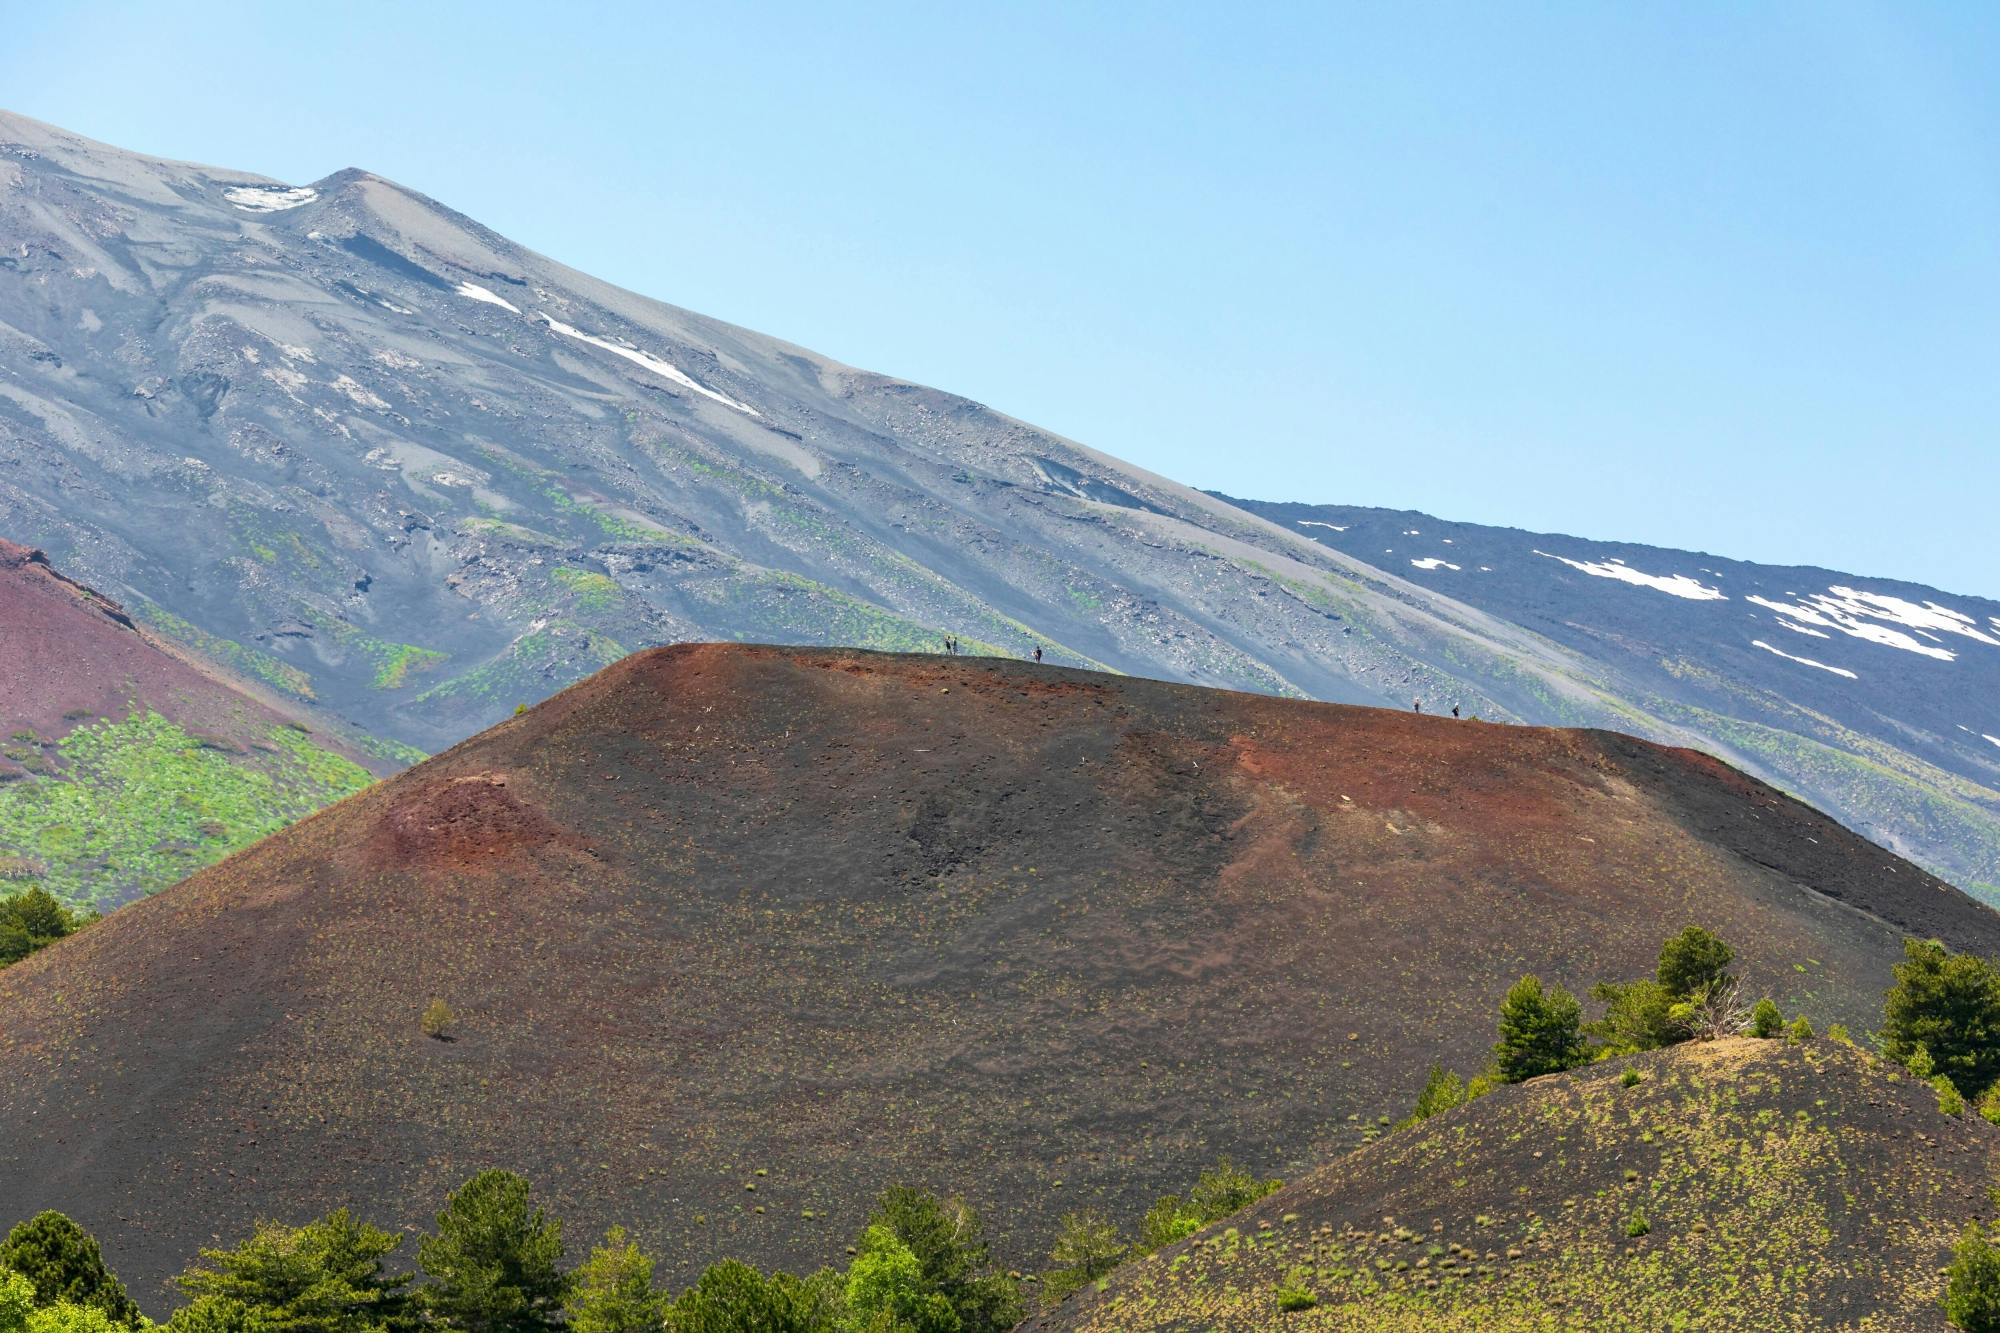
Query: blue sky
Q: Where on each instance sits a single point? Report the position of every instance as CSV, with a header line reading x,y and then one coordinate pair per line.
x,y
1716,276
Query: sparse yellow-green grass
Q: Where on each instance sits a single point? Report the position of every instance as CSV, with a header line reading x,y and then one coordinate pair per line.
x,y
1739,1184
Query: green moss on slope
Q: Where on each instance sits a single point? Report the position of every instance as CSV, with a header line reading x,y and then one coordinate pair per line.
x,y
130,806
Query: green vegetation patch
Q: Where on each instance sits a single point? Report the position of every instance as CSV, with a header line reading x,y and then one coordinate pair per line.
x,y
134,805
593,591
259,665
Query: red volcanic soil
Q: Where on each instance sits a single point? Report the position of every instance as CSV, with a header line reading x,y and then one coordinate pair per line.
x,y
1047,937
70,655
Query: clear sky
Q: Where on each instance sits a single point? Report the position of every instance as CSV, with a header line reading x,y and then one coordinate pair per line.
x,y
1708,275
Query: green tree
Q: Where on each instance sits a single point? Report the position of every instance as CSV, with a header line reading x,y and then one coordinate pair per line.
x,y
1638,1016
733,1297
1972,1284
950,1247
63,1317
1540,1031
1170,1219
1766,1020
17,1301
1226,1188
217,1314
64,1263
1087,1247
1693,961
495,1264
1949,1004
1442,1091
613,1291
327,1276
887,1293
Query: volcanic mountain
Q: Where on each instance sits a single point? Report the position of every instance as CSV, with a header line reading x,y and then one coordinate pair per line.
x,y
737,935
1737,1184
364,446
130,761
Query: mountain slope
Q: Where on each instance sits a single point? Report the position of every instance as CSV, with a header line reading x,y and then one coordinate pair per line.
x,y
387,456
128,762
1782,1186
1046,936
1873,698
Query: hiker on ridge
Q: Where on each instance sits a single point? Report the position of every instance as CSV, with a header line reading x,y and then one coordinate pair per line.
x,y
1038,652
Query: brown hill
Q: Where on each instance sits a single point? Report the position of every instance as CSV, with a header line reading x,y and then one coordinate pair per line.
x,y
130,761
1045,936
1777,1185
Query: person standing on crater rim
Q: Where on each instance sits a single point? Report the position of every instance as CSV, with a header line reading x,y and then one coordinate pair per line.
x,y
1038,652
1417,705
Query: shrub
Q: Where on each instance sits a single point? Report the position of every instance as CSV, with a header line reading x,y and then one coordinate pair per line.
x,y
1295,1293
1637,1017
1989,1105
1170,1219
1442,1091
1692,961
1766,1019
1949,1004
1540,1031
1950,1100
495,1264
437,1020
65,1265
1801,1029
1637,1225
1482,1083
1630,1078
1087,1247
31,920
1972,1284
1837,1032
1226,1188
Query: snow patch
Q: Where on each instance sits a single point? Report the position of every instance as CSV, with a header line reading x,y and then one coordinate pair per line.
x,y
474,291
1433,562
1679,585
1803,629
1411,532
1806,661
269,198
360,393
1873,616
1315,523
1994,739
664,369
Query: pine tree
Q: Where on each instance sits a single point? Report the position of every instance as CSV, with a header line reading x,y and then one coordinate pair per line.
x,y
1540,1031
495,1264
65,1265
613,1290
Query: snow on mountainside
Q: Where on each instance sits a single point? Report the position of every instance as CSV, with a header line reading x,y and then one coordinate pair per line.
x,y
1872,697
385,455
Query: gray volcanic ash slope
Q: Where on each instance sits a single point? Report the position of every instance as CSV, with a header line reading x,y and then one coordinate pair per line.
x,y
360,446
